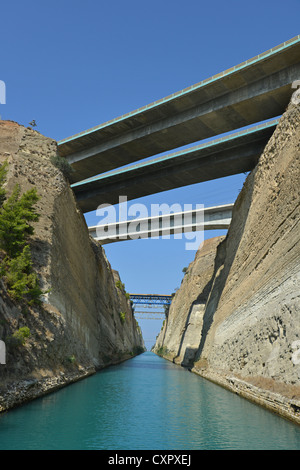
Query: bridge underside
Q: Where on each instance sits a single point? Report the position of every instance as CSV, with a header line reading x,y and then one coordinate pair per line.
x,y
212,218
230,155
257,90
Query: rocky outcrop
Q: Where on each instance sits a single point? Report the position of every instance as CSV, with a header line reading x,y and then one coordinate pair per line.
x,y
85,321
248,336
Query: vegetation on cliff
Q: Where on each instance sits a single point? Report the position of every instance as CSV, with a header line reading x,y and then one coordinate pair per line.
x,y
77,329
16,214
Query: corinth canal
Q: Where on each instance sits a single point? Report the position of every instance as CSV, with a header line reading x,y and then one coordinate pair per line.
x,y
146,403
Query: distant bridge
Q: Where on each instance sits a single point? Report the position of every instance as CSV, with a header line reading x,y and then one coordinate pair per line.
x,y
151,299
149,305
149,316
251,92
209,218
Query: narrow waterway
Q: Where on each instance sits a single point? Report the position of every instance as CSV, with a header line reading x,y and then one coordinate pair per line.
x,y
145,403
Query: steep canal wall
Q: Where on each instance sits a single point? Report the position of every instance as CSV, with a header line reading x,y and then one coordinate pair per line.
x,y
236,317
85,321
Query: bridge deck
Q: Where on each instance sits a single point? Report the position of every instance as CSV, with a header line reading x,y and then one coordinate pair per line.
x,y
232,154
253,91
204,218
155,299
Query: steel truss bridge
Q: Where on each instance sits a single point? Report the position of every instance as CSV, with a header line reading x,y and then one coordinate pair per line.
x,y
149,306
151,299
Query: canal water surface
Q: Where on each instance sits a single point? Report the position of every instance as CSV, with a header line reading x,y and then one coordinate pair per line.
x,y
146,403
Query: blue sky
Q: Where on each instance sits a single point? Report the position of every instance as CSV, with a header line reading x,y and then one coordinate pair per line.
x,y
72,65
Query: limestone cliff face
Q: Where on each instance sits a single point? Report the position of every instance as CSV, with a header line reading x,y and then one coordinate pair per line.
x,y
247,338
180,336
85,322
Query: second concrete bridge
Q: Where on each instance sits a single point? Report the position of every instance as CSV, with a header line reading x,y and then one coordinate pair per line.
x,y
210,218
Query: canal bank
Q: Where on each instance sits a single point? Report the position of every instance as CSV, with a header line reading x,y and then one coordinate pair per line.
x,y
146,403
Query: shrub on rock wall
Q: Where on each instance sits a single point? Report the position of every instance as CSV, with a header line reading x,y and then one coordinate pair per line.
x,y
16,214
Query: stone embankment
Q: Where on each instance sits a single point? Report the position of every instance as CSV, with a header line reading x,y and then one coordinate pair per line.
x,y
236,318
86,321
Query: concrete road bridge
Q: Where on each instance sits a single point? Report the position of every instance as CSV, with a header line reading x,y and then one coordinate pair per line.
x,y
209,218
149,315
256,90
230,155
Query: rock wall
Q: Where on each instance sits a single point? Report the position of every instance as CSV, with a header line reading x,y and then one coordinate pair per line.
x,y
248,336
180,336
85,322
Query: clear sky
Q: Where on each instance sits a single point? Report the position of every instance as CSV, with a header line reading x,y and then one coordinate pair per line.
x,y
72,65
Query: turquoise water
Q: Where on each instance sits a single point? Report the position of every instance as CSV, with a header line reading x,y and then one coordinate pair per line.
x,y
146,403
